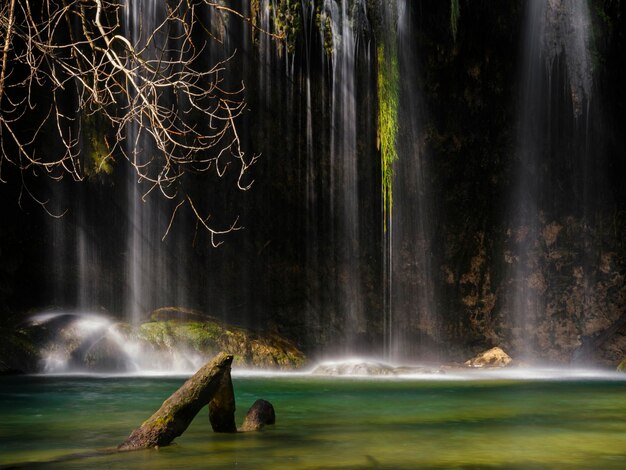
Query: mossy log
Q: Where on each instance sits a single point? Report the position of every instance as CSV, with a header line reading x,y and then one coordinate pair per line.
x,y
222,407
177,412
259,414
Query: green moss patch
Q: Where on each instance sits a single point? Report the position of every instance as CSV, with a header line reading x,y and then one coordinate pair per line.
x,y
388,100
209,337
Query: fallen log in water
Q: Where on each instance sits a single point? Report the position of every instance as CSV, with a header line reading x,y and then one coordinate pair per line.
x,y
212,386
177,412
222,407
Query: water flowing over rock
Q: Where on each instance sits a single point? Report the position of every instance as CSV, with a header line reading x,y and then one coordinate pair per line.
x,y
361,368
411,320
421,196
553,142
354,368
95,343
80,343
567,33
104,355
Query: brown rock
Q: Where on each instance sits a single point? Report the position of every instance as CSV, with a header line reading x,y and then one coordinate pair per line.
x,y
259,414
494,357
551,233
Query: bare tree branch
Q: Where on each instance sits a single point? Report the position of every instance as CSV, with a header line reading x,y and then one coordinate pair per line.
x,y
66,62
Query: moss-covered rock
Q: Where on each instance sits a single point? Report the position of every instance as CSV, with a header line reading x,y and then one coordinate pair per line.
x,y
181,341
199,336
622,366
105,355
210,336
180,314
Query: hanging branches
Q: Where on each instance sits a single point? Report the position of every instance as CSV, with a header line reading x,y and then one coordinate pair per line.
x,y
162,108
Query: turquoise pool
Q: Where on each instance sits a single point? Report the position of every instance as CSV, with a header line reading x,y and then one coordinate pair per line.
x,y
336,423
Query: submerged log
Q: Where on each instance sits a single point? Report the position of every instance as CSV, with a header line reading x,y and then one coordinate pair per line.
x,y
177,412
222,407
259,414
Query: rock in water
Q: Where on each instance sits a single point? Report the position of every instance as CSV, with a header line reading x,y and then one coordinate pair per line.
x,y
494,357
104,355
177,412
222,407
353,368
259,414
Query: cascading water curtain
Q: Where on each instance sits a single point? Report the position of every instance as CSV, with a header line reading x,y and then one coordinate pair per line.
x,y
344,18
388,101
140,17
410,326
154,277
555,92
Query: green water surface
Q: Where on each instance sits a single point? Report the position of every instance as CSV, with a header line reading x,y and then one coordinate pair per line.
x,y
325,423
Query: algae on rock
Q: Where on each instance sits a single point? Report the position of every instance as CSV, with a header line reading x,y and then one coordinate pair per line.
x,y
210,336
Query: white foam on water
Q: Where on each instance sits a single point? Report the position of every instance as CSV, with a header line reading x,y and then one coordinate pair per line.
x,y
142,360
521,375
429,372
83,331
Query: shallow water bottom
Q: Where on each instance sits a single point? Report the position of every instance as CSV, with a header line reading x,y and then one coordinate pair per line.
x,y
336,423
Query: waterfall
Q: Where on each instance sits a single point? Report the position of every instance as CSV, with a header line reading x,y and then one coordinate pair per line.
x,y
345,20
154,276
76,274
88,257
338,200
140,18
345,177
411,323
312,229
57,231
553,156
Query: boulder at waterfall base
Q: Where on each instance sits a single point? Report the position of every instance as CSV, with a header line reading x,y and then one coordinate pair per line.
x,y
206,338
98,343
494,357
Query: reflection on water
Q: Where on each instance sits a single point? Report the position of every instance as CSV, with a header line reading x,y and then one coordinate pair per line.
x,y
327,423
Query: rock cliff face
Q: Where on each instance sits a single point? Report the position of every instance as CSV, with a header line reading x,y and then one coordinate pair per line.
x,y
282,271
574,278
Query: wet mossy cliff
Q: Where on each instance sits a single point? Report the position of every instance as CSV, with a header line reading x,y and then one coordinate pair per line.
x,y
286,271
